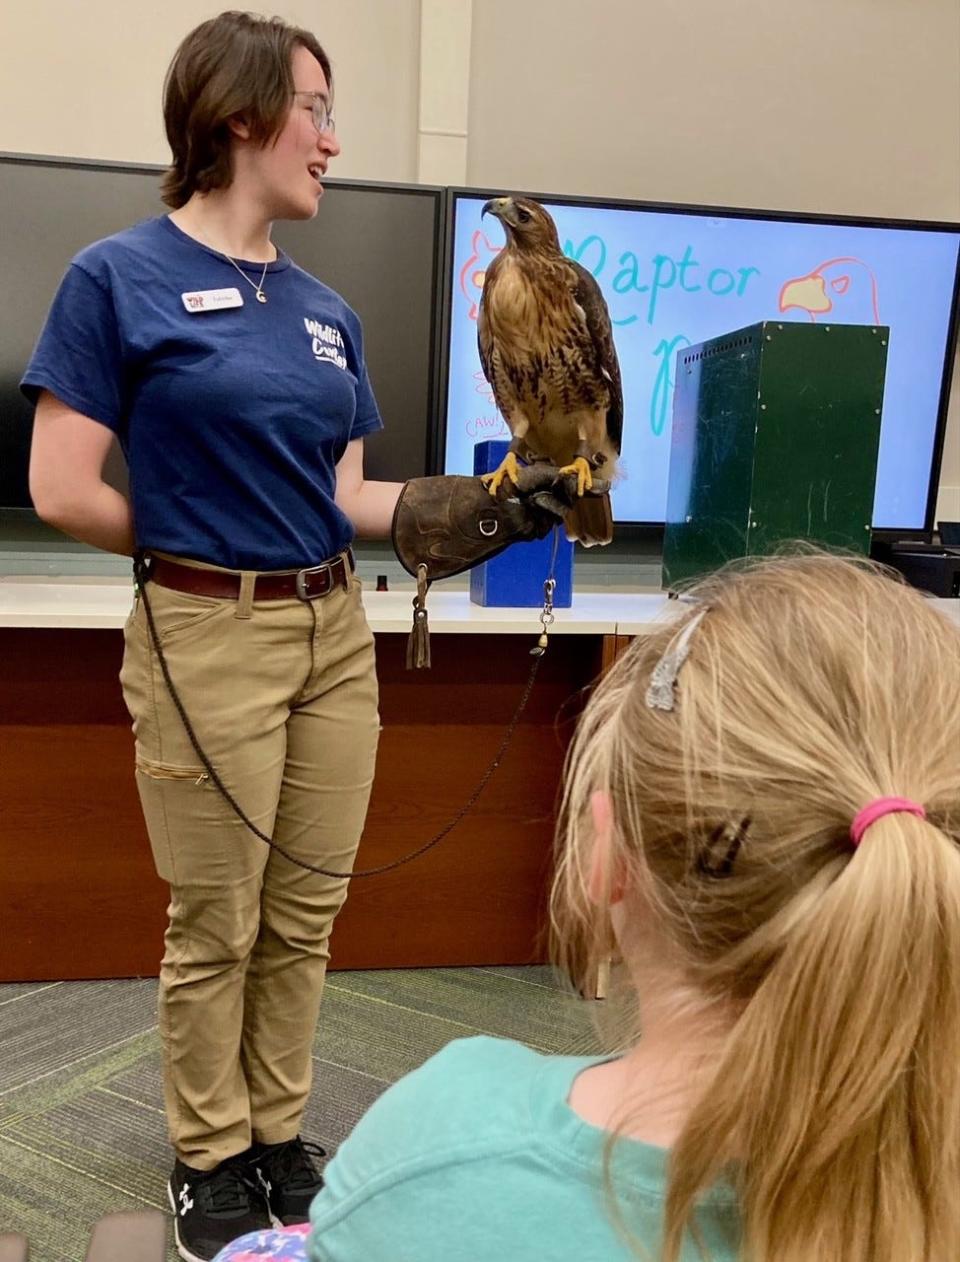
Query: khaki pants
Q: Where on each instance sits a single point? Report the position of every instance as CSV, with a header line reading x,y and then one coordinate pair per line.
x,y
283,698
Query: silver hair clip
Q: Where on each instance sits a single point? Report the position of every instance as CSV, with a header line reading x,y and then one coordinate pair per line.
x,y
661,693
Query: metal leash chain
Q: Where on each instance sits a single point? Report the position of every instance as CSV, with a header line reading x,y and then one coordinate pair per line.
x,y
549,587
141,577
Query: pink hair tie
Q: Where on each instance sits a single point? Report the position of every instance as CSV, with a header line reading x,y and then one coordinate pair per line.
x,y
876,809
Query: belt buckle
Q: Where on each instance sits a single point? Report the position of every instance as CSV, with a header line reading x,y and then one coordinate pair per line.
x,y
303,575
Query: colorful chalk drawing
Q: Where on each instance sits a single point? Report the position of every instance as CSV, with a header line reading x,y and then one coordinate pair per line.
x,y
483,386
474,271
675,280
847,281
480,428
661,399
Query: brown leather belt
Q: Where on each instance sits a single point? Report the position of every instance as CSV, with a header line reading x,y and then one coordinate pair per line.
x,y
308,584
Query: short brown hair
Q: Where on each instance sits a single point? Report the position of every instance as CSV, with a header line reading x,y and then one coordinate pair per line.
x,y
233,64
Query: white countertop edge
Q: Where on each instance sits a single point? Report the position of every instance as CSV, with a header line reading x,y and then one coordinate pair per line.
x,y
104,605
512,625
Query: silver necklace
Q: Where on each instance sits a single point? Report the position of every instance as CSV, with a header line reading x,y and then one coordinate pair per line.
x,y
261,296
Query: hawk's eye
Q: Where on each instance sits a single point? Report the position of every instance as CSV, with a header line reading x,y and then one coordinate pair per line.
x,y
524,215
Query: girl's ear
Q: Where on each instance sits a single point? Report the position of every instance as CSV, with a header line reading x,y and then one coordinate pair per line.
x,y
607,878
238,127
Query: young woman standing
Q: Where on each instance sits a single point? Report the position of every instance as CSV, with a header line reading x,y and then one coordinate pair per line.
x,y
187,337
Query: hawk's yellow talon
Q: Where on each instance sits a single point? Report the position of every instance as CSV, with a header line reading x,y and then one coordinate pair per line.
x,y
508,469
581,467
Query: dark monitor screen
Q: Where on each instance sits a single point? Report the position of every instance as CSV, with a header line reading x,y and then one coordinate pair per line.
x,y
674,276
376,244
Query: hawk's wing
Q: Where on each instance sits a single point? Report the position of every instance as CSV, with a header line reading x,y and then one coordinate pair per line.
x,y
590,298
485,343
487,362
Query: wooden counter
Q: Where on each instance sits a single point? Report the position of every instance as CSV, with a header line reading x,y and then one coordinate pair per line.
x,y
78,893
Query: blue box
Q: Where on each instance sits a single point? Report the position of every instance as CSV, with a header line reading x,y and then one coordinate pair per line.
x,y
515,578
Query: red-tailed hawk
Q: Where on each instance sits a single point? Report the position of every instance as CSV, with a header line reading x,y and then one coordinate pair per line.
x,y
547,349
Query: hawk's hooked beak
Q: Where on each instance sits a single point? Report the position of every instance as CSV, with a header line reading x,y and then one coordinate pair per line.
x,y
497,206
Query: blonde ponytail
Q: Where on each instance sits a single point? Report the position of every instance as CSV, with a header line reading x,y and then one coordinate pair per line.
x,y
814,685
837,1100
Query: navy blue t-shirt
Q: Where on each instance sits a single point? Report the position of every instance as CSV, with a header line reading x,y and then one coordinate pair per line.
x,y
232,420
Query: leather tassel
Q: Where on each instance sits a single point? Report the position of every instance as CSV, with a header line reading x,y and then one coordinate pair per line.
x,y
418,642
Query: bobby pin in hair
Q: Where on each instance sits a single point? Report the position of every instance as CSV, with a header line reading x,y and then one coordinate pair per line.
x,y
734,836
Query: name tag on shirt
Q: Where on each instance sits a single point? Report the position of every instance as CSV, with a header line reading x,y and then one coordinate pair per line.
x,y
211,300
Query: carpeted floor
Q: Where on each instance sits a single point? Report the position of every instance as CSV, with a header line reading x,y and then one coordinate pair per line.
x,y
81,1118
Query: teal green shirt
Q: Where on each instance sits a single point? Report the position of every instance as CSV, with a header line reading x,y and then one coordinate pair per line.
x,y
478,1157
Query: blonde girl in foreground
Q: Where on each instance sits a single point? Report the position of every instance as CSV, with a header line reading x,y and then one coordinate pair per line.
x,y
762,812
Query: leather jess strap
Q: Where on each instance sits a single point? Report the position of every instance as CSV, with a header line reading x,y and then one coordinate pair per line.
x,y
308,584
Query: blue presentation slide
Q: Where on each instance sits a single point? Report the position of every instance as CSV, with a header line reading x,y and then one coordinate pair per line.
x,y
675,279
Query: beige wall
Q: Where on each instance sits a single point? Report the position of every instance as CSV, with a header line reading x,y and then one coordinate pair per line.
x,y
836,105
843,106
83,78
831,105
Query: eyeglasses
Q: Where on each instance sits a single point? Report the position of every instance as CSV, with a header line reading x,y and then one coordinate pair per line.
x,y
323,118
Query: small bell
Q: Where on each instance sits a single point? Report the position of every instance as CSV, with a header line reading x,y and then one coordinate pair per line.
x,y
546,614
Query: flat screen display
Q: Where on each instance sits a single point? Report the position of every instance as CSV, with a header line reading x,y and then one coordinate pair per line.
x,y
376,244
675,276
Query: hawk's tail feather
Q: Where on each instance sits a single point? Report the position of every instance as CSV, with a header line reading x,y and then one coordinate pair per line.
x,y
590,520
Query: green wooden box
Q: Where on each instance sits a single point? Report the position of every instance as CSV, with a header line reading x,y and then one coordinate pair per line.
x,y
776,429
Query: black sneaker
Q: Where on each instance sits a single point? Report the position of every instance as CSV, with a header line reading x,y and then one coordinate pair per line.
x,y
213,1207
288,1177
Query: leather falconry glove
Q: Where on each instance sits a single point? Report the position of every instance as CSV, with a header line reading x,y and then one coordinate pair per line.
x,y
445,525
